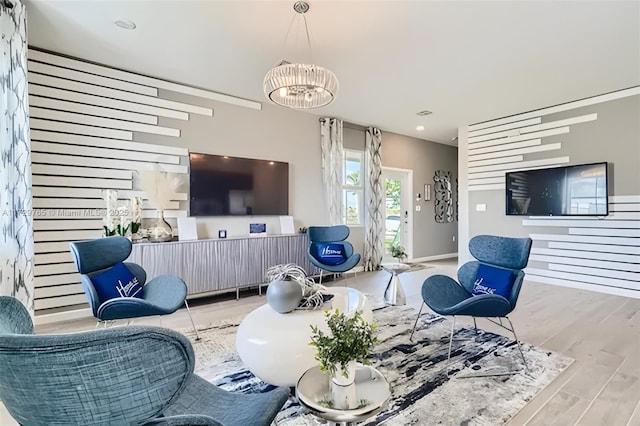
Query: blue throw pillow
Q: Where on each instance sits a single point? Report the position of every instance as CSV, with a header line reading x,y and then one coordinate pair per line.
x,y
118,281
490,280
331,253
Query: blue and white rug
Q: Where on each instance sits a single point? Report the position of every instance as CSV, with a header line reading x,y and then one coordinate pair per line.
x,y
422,393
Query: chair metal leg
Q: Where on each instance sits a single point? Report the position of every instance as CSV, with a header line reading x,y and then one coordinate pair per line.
x,y
191,318
320,277
416,323
98,323
475,326
513,330
453,325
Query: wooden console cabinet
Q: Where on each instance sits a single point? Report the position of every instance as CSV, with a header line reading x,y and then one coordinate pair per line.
x,y
228,264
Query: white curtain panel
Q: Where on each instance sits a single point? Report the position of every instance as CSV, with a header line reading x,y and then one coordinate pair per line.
x,y
16,220
374,195
332,164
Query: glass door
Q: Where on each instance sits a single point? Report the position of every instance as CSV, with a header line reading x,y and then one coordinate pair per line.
x,y
397,211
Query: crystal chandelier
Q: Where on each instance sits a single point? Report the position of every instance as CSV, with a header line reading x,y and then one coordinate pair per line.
x,y
300,86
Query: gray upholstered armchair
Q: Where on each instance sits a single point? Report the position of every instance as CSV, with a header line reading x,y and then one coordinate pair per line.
x,y
125,375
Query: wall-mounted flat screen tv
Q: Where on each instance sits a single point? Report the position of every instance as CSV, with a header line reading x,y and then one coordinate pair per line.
x,y
231,186
579,190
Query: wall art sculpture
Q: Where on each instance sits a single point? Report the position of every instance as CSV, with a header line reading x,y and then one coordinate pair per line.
x,y
444,196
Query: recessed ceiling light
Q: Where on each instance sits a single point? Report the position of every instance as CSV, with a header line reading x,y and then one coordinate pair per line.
x,y
419,128
125,24
423,113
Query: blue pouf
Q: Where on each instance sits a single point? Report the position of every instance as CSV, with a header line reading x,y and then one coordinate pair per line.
x,y
284,296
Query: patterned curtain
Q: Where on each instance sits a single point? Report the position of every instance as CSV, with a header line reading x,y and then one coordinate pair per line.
x,y
374,195
16,221
332,163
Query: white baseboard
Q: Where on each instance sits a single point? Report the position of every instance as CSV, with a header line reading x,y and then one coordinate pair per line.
x,y
436,257
63,316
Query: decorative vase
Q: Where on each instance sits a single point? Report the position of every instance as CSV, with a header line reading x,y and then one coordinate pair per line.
x,y
284,296
160,231
343,389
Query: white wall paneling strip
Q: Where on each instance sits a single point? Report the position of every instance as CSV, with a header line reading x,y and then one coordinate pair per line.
x,y
595,223
152,214
559,108
625,199
519,151
612,232
170,205
40,135
598,248
37,101
499,160
55,192
485,181
586,239
61,290
61,257
79,182
39,157
560,123
48,169
49,280
85,98
624,207
111,123
57,126
532,163
86,151
584,286
623,275
55,302
61,225
97,80
49,247
125,195
526,136
81,203
592,263
74,235
582,254
508,126
591,279
62,61
59,268
488,187
75,86
496,149
515,167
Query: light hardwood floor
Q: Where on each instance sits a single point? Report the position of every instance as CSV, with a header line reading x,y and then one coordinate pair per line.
x,y
601,332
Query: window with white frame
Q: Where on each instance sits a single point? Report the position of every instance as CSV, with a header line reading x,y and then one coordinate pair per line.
x,y
353,187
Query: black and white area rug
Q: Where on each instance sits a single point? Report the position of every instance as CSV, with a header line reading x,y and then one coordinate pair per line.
x,y
422,393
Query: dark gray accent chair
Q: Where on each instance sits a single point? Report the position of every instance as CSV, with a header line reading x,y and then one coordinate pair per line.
x,y
118,376
445,296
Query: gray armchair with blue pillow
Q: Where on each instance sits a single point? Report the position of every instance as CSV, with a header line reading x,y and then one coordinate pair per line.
x,y
118,376
329,249
117,289
488,287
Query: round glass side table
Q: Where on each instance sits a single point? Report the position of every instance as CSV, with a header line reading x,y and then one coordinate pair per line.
x,y
370,385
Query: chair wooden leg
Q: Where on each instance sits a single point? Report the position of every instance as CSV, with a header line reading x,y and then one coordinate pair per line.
x,y
513,330
191,318
416,323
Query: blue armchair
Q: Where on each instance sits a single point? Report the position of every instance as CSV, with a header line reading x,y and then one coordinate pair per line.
x,y
321,235
163,295
445,296
124,375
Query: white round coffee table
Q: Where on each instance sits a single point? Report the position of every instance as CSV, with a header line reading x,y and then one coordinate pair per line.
x,y
275,347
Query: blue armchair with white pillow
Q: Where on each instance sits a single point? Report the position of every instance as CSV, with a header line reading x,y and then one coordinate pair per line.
x,y
329,249
487,287
117,289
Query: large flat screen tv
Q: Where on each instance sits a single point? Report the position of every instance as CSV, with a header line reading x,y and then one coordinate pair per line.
x,y
230,186
579,190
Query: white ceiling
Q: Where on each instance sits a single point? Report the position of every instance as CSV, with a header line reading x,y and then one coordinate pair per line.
x,y
467,61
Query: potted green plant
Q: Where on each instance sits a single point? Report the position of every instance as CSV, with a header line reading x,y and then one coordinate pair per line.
x,y
350,340
398,252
